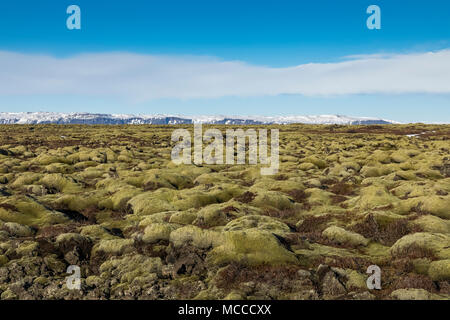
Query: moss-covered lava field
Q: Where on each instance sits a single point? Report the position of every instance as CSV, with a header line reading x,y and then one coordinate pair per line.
x,y
110,200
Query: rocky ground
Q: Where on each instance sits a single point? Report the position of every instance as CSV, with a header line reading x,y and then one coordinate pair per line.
x,y
109,199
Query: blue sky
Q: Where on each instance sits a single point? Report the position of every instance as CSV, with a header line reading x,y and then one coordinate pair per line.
x,y
265,37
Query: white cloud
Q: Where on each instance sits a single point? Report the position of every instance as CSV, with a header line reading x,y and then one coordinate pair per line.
x,y
145,77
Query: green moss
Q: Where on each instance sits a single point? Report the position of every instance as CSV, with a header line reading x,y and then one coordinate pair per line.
x,y
41,281
25,178
435,243
28,248
8,295
137,269
440,270
212,178
380,156
411,294
219,214
355,280
341,235
315,251
45,159
70,237
318,197
183,217
271,184
31,213
60,183
252,247
124,158
369,172
158,231
96,232
84,164
160,217
351,165
207,294
307,166
94,281
76,202
406,175
19,149
59,168
170,200
3,260
156,179
273,199
421,265
120,198
372,197
256,222
399,157
54,264
198,237
385,218
18,230
195,199
418,189
115,247
430,223
437,205
90,174
319,163
152,202
415,294
429,174
235,295
375,249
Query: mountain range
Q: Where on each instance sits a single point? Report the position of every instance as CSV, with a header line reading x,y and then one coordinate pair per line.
x,y
97,118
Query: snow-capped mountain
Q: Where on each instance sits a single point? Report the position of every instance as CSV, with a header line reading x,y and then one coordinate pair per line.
x,y
95,118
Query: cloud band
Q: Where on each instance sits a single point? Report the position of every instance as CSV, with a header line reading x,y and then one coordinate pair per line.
x,y
146,77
